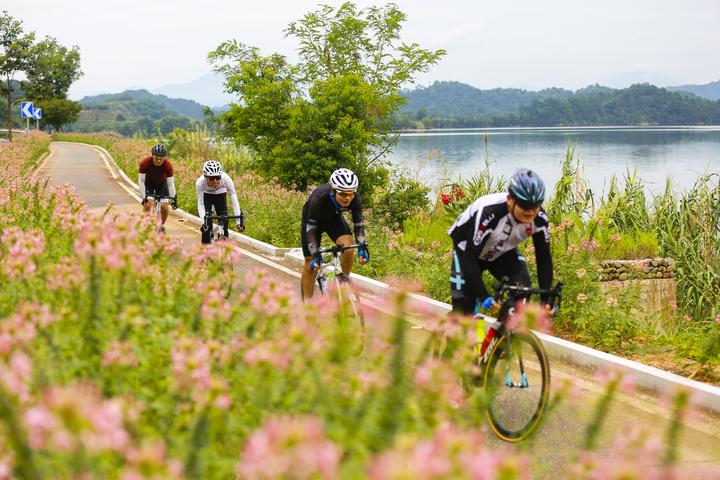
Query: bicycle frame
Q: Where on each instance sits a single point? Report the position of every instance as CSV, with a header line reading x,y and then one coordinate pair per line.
x,y
158,201
325,274
508,295
220,220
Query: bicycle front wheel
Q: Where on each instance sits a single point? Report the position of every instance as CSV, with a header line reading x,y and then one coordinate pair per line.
x,y
517,385
351,316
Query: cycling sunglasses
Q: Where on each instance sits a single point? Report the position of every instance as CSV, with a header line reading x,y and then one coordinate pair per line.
x,y
528,205
345,194
214,177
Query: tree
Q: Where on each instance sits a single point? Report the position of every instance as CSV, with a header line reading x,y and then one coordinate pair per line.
x,y
51,70
331,109
58,112
14,57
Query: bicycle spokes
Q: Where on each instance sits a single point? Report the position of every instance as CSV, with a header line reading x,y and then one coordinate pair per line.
x,y
517,382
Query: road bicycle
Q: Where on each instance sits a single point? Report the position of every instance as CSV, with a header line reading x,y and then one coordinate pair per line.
x,y
211,232
214,232
158,201
330,279
515,370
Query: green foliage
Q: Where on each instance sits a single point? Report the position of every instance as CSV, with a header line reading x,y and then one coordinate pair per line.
x,y
402,199
15,48
333,108
53,68
58,112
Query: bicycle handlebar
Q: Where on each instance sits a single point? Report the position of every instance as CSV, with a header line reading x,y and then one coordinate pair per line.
x,y
341,248
223,217
515,291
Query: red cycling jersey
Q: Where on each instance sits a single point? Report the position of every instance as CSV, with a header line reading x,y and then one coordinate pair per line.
x,y
155,174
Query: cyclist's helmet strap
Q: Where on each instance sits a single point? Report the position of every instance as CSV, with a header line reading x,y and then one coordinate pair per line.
x,y
526,187
344,179
212,168
159,150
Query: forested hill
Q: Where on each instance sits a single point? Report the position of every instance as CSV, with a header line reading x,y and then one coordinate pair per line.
x,y
455,99
640,104
180,106
711,90
136,111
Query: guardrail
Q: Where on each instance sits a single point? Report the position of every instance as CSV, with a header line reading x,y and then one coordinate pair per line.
x,y
644,376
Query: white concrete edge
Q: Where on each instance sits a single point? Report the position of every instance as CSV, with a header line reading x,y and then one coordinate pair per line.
x,y
644,376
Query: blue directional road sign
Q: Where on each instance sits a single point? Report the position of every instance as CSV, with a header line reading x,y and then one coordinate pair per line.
x,y
37,113
26,110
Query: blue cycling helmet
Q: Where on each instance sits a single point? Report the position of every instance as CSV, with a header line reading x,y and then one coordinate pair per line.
x,y
527,188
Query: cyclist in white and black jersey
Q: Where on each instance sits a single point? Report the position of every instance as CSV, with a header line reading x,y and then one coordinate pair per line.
x,y
486,235
212,188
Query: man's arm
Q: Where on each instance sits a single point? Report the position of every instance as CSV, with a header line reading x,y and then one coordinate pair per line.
x,y
233,194
171,187
357,216
170,178
544,260
200,198
470,259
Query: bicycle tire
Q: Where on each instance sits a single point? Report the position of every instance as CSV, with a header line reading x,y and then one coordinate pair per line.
x,y
354,313
514,408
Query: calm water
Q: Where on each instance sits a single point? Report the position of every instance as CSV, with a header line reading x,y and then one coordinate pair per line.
x,y
681,153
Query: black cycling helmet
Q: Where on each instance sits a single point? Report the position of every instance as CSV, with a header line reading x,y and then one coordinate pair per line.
x,y
527,188
159,150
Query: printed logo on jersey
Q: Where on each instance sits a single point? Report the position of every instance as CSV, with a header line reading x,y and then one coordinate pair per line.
x,y
481,229
528,230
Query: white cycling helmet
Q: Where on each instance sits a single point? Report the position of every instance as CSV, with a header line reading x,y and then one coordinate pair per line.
x,y
344,179
212,168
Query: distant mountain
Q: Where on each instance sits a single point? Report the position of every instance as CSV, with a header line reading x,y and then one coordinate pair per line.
x,y
711,90
207,90
179,106
455,99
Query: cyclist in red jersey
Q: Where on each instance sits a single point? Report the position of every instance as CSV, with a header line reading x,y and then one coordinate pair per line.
x,y
156,178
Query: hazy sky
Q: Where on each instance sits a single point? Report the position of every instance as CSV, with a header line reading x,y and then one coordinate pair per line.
x,y
522,43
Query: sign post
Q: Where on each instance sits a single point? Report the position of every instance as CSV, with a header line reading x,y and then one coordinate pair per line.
x,y
37,113
26,112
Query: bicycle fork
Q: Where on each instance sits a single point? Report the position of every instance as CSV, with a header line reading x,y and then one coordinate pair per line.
x,y
508,377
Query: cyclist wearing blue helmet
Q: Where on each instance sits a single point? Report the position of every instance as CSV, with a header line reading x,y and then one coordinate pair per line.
x,y
486,236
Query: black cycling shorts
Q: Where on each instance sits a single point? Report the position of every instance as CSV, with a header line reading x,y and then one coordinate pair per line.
x,y
334,230
157,189
219,202
510,264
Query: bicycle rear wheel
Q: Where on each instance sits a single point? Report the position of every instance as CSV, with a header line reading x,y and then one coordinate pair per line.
x,y
517,385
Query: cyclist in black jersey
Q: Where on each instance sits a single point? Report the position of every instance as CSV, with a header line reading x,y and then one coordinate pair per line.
x,y
486,235
322,212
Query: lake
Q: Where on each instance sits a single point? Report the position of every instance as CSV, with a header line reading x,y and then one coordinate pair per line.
x,y
681,153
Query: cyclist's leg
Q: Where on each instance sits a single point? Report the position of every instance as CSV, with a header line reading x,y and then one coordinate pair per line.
x,y
164,207
208,203
221,208
340,233
150,189
461,303
511,265
307,279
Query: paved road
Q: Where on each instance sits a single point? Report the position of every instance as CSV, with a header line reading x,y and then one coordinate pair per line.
x,y
560,437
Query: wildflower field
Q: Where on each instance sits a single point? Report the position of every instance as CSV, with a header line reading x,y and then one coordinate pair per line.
x,y
127,358
586,229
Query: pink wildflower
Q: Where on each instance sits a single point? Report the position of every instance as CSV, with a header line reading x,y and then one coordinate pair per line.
x,y
289,447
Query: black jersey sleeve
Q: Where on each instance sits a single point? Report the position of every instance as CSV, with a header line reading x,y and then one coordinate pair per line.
x,y
543,257
470,264
357,216
311,226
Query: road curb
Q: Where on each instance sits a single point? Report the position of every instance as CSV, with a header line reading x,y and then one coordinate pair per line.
x,y
644,376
